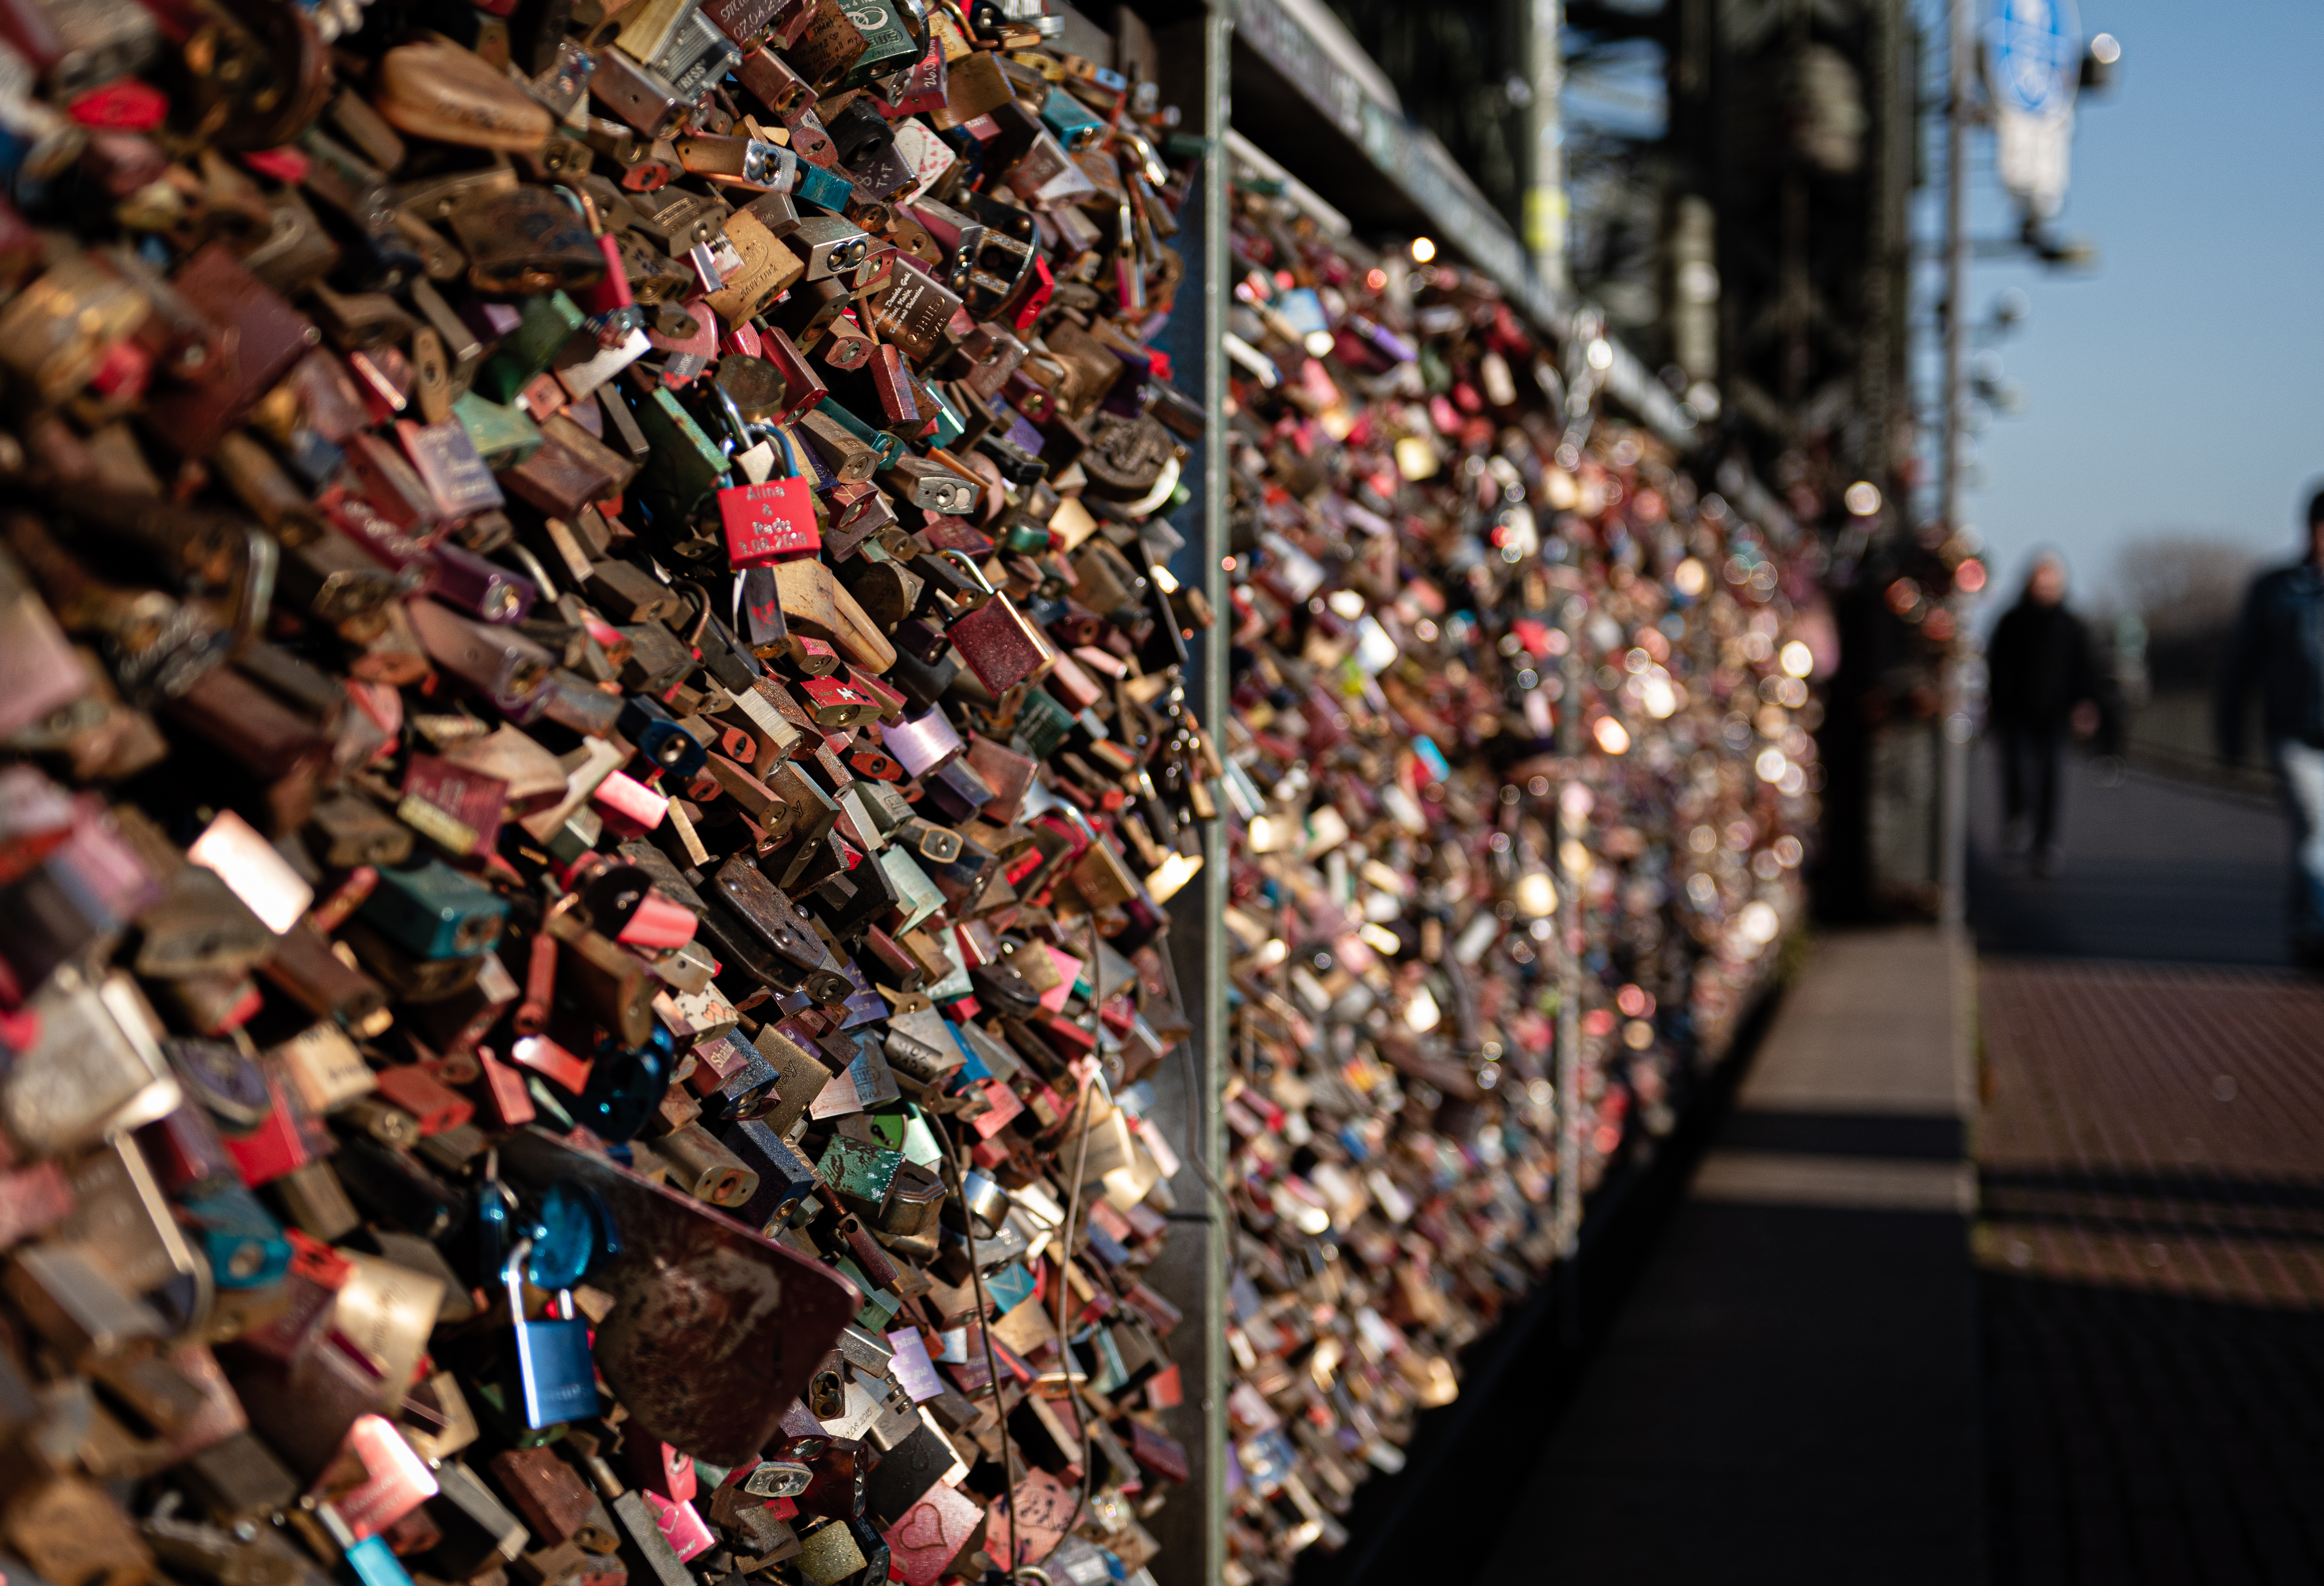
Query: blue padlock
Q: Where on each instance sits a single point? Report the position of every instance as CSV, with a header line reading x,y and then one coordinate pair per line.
x,y
646,723
626,1084
1071,120
556,1378
371,1562
243,1244
431,911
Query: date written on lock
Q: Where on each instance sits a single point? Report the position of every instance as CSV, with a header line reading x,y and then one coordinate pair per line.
x,y
767,523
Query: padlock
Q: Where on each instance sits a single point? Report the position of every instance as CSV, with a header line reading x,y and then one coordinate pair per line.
x,y
314,1202
436,90
661,738
478,1532
75,1304
504,666
551,1498
769,521
829,245
606,983
377,1480
433,911
458,809
1001,646
555,1379
304,967
768,78
527,241
833,704
93,1067
122,1220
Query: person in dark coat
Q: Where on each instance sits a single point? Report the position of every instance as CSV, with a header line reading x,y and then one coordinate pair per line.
x,y
2279,645
2044,687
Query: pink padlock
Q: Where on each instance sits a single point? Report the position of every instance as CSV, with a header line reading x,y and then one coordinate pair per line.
x,y
628,805
681,1526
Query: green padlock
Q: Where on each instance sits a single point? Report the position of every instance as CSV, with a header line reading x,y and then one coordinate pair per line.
x,y
859,1173
546,324
685,468
503,437
1043,723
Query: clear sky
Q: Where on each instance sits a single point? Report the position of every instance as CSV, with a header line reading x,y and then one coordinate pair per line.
x,y
2182,386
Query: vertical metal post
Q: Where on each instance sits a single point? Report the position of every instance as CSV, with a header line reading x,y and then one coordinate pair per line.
x,y
1570,944
1544,197
1952,734
1191,1272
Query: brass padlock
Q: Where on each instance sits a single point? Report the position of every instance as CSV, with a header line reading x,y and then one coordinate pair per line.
x,y
436,90
603,982
68,1529
528,242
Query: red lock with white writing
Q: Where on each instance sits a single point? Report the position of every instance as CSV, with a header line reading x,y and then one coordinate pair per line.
x,y
769,522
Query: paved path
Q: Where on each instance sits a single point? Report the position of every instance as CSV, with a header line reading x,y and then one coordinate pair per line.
x,y
2156,870
1789,1394
1836,1368
2150,1244
2153,1245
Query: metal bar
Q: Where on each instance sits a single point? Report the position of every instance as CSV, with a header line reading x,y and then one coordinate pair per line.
x,y
1192,1273
1545,197
1570,610
1413,160
1952,741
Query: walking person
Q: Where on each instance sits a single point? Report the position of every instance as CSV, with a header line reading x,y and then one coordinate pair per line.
x,y
2044,687
2279,645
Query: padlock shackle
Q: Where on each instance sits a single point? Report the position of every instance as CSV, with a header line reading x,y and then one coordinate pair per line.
x,y
532,565
738,428
513,1277
584,206
967,565
789,449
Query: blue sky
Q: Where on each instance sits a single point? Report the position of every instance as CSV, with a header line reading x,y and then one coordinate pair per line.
x,y
2182,386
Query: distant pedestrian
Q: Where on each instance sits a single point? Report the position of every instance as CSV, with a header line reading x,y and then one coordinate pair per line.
x,y
2044,687
2278,643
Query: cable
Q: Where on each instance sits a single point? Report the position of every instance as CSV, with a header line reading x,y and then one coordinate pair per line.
x,y
984,1334
1073,1205
1066,1255
1194,1155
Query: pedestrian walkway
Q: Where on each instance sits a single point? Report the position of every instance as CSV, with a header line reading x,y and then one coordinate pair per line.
x,y
2007,1268
1789,1394
2151,1246
2159,871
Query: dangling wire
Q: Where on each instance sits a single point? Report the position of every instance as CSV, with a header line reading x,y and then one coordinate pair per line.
x,y
1072,1206
1009,1465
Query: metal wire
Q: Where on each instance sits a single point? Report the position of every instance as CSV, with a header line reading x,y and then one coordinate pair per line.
x,y
1065,1244
984,1334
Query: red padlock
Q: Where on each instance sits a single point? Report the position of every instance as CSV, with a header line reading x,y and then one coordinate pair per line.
x,y
767,523
833,704
772,521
